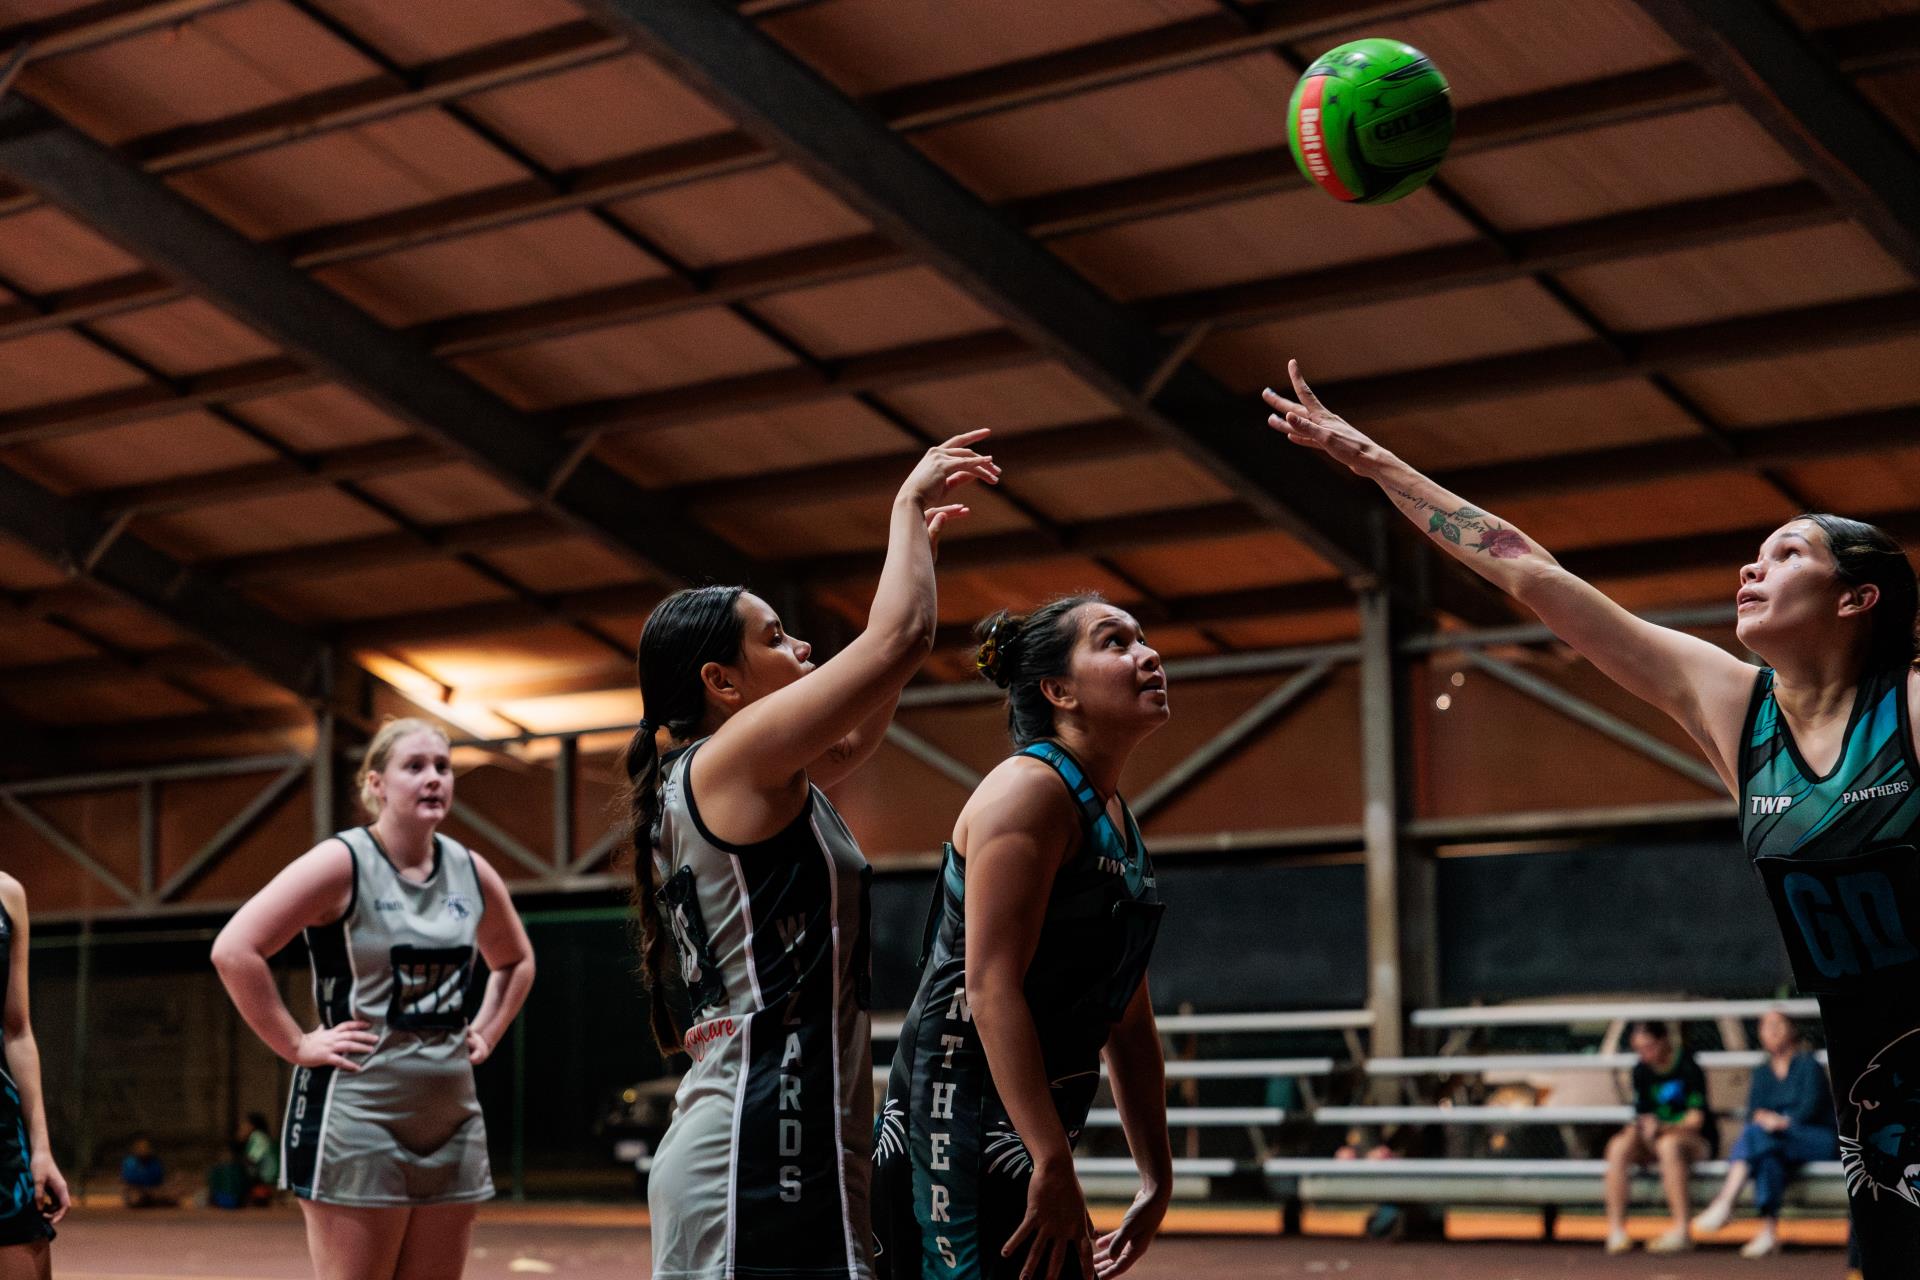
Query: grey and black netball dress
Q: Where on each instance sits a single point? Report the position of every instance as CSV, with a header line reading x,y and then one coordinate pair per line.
x,y
764,1171
952,1174
21,1221
1837,855
406,1128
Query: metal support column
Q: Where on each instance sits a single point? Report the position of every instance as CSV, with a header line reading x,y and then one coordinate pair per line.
x,y
566,766
325,786
1402,946
83,1103
149,839
519,1174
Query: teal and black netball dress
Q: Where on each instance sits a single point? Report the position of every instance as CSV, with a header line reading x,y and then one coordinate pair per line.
x,y
952,1174
1837,855
21,1221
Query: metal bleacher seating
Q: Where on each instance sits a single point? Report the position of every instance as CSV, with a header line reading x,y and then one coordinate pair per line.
x,y
1548,1184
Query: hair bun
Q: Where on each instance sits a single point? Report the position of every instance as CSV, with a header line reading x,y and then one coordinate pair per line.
x,y
993,659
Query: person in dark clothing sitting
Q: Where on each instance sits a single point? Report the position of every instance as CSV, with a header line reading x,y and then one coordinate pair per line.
x,y
1672,1128
1789,1123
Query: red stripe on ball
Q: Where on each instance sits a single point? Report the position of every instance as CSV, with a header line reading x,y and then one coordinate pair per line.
x,y
1313,144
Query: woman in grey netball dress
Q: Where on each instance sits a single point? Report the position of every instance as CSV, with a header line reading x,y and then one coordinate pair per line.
x,y
33,1195
383,1141
763,1172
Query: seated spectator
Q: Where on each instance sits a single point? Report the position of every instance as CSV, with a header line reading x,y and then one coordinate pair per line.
x,y
1671,1129
262,1157
228,1181
142,1176
1789,1123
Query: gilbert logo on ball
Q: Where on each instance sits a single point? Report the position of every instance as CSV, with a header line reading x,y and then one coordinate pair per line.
x,y
1370,121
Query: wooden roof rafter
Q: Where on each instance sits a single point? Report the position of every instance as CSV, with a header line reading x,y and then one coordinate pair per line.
x,y
119,507
87,545
1787,81
1605,561
1500,123
103,22
586,496
1529,265
793,111
1419,273
1583,106
258,287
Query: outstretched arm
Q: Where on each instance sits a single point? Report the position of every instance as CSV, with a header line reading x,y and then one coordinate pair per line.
x,y
847,755
771,742
1703,687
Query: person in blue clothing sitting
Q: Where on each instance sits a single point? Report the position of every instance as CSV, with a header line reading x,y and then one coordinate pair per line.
x,y
1790,1122
143,1178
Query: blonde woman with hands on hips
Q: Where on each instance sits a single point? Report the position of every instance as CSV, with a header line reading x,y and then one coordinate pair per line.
x,y
383,1142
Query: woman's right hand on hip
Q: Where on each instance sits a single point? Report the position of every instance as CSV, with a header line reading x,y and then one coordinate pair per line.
x,y
329,1046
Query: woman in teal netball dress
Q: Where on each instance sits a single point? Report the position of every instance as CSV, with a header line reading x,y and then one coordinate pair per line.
x,y
1044,915
1819,749
33,1195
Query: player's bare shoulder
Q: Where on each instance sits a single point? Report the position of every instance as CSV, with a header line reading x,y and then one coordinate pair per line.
x,y
1023,794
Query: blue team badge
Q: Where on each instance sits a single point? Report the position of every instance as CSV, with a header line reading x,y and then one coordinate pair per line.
x,y
459,906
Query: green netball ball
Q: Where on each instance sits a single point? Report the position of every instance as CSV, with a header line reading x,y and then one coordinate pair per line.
x,y
1370,121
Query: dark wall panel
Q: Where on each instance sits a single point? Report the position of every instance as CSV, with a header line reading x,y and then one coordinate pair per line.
x,y
1683,918
1235,937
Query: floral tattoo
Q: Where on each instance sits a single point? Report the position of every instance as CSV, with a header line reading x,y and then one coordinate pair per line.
x,y
1502,542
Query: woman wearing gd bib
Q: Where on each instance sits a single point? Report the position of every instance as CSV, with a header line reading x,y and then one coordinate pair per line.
x,y
1819,749
383,1140
1044,915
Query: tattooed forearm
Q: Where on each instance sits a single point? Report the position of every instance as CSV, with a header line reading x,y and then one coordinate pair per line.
x,y
1495,539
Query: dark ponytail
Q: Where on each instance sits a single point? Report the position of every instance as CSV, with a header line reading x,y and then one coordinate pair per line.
x,y
684,633
1018,651
1864,553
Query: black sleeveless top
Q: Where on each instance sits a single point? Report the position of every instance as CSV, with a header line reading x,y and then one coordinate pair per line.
x,y
1103,915
1836,852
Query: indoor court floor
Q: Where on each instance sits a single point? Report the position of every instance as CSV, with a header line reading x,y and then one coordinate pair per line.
x,y
602,1243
